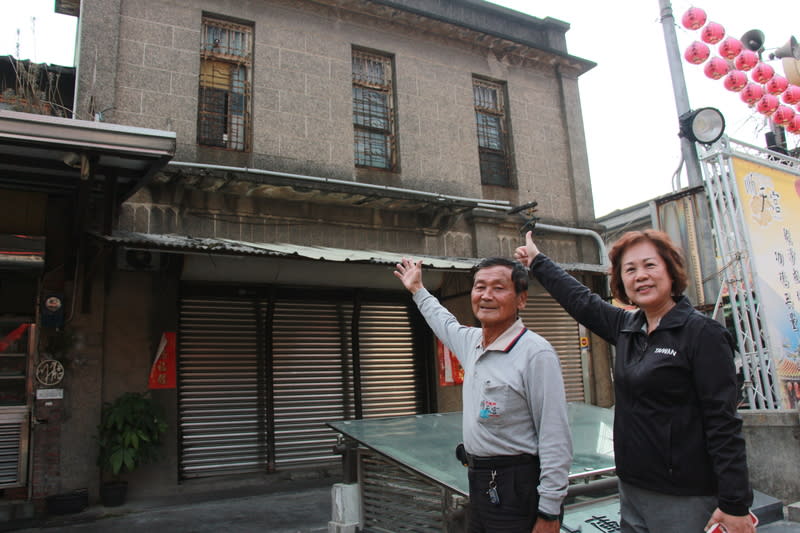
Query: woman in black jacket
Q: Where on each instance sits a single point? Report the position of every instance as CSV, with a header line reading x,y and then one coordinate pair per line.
x,y
678,446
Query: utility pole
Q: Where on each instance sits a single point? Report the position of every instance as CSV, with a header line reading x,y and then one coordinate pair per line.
x,y
688,149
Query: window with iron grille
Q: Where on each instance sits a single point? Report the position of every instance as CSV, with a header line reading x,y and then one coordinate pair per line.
x,y
223,117
492,124
373,111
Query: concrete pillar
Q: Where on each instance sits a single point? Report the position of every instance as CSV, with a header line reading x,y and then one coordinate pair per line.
x,y
345,508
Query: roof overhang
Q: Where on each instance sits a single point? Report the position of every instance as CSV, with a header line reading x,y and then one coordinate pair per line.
x,y
52,154
182,244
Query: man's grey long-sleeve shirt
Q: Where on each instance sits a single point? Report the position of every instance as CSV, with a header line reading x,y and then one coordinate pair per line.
x,y
513,397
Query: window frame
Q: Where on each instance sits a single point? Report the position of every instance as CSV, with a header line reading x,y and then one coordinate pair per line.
x,y
224,82
367,116
496,165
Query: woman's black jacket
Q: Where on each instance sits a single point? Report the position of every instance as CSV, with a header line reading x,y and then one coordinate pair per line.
x,y
676,430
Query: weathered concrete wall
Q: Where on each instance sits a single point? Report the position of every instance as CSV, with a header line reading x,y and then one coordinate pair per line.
x,y
773,452
302,110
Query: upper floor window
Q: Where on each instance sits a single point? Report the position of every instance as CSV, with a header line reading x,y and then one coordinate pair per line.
x,y
373,111
492,123
223,117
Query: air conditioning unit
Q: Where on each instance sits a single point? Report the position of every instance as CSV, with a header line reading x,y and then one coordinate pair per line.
x,y
139,260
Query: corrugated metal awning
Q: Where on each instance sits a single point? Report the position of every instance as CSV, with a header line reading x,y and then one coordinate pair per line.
x,y
204,245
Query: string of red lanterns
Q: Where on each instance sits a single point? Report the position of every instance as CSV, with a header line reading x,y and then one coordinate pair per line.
x,y
764,90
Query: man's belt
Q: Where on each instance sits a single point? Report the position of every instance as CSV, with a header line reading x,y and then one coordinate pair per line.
x,y
499,461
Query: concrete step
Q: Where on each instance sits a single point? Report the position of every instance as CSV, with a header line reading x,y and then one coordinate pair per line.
x,y
766,508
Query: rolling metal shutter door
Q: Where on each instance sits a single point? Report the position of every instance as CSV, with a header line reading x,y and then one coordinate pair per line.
x,y
312,372
224,382
13,446
389,382
222,426
544,316
314,383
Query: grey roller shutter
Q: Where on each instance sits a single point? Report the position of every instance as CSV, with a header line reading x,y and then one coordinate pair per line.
x,y
257,384
221,415
389,382
13,446
313,378
543,315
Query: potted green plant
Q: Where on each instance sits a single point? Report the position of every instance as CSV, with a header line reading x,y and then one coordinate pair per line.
x,y
129,434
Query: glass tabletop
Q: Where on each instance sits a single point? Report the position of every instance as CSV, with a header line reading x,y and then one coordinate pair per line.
x,y
426,443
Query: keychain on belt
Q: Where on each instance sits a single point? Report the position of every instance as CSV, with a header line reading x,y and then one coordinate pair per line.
x,y
494,497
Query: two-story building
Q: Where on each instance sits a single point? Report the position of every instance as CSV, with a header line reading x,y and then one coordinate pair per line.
x,y
315,142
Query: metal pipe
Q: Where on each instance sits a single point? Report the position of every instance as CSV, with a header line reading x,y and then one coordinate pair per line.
x,y
601,246
500,205
688,149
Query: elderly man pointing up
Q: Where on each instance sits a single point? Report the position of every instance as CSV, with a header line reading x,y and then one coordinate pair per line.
x,y
515,428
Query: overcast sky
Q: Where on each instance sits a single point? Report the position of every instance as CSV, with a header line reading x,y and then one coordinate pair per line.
x,y
627,100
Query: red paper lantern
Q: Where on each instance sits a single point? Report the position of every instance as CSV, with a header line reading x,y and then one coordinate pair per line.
x,y
746,60
783,115
694,18
762,73
752,93
776,85
716,68
791,95
712,33
697,52
730,47
794,127
767,105
735,81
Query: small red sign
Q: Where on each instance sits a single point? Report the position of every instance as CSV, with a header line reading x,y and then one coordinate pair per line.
x,y
163,371
450,370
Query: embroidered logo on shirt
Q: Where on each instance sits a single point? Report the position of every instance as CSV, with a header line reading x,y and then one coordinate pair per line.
x,y
666,351
489,409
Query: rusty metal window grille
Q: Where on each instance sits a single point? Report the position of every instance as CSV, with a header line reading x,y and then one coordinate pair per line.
x,y
373,111
224,98
491,120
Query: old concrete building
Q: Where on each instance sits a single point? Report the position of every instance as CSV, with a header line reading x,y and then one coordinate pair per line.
x,y
316,143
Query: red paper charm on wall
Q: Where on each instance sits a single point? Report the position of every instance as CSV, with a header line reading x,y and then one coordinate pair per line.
x,y
450,370
163,370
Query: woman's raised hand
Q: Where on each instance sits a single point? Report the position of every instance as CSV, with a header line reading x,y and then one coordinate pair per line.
x,y
525,254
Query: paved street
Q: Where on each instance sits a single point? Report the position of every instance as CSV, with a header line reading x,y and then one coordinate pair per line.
x,y
305,508
298,511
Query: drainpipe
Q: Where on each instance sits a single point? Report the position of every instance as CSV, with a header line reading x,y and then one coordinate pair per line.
x,y
601,246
